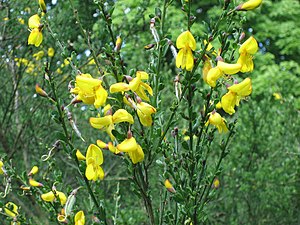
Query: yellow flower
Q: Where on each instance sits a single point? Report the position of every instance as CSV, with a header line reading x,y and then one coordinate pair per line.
x,y
39,55
136,85
33,171
218,121
79,155
206,68
249,5
144,111
276,95
228,102
11,209
21,21
94,160
133,149
50,197
35,36
42,6
79,218
247,49
186,43
222,68
34,183
242,89
90,90
51,52
235,94
169,186
118,44
107,122
2,171
40,91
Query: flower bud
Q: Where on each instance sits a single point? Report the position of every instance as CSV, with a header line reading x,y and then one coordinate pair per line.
x,y
40,91
33,171
169,186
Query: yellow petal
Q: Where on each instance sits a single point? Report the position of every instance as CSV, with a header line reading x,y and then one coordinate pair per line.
x,y
33,171
35,37
135,82
42,6
11,209
186,39
213,75
179,59
128,145
100,173
206,68
101,144
34,21
249,5
137,155
51,52
79,218
228,102
242,89
34,183
250,46
101,96
246,61
143,75
101,122
119,87
79,155
62,197
228,68
189,60
95,153
48,197
121,115
89,172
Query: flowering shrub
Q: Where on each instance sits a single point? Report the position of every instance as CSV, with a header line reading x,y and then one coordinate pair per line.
x,y
137,121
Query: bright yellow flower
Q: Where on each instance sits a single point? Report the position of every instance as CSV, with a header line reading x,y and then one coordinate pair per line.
x,y
242,89
218,121
276,95
39,55
247,49
34,183
107,122
213,75
35,36
249,5
33,170
94,160
79,155
186,44
133,149
169,186
51,52
144,111
50,197
222,68
235,94
228,102
42,5
1,167
90,90
11,209
136,84
21,21
79,218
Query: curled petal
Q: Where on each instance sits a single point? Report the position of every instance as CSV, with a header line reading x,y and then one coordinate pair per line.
x,y
228,68
137,155
128,145
119,87
228,102
121,115
242,89
101,122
